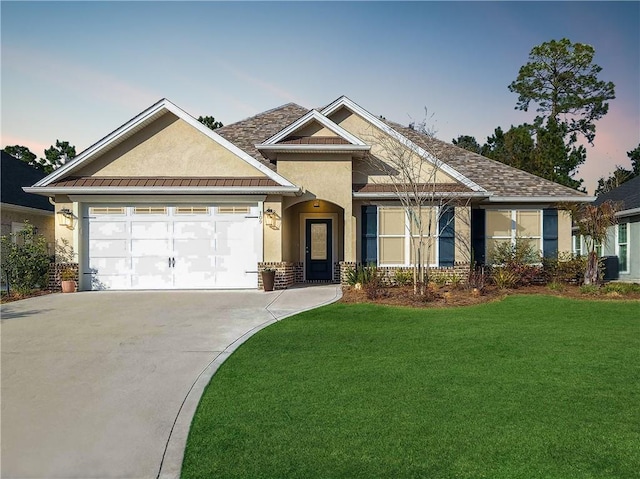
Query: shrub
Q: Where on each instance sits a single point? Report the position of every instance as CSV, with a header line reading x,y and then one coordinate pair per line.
x,y
25,260
361,274
504,278
455,280
374,287
520,259
476,279
403,277
622,288
438,278
556,286
566,268
590,289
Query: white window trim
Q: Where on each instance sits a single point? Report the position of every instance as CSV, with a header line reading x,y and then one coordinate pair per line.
x,y
407,239
626,263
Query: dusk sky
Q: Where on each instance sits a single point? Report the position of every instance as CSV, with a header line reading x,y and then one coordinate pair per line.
x,y
76,71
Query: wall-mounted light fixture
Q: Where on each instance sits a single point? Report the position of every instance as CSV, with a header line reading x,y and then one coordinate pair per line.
x,y
270,218
316,204
65,218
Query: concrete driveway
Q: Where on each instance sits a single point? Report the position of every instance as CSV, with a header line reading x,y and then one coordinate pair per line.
x,y
105,384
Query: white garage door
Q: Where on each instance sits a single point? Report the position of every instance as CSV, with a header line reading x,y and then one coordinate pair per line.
x,y
172,247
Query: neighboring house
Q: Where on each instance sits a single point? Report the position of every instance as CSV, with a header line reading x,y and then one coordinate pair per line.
x,y
164,202
18,206
624,238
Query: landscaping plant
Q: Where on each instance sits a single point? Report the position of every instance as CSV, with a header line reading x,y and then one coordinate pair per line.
x,y
24,260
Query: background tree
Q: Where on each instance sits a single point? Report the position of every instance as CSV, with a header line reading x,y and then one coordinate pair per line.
x,y
56,156
621,175
562,80
210,122
23,154
468,143
555,160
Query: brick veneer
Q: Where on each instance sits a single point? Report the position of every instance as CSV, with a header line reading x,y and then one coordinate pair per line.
x,y
287,274
55,271
461,270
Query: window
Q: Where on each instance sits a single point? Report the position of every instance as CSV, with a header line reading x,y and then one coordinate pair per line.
x,y
622,244
191,210
106,210
395,241
233,210
507,226
150,210
577,245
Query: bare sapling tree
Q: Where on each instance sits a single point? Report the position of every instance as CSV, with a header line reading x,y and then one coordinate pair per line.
x,y
592,222
414,174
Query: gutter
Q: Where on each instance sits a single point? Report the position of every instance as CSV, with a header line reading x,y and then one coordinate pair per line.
x,y
395,195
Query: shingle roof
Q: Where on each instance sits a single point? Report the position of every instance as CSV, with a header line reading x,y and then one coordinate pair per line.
x,y
628,194
16,174
92,181
493,176
245,134
422,187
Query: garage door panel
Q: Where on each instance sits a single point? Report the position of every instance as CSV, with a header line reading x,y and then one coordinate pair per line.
x,y
150,229
103,230
151,247
173,250
109,248
193,230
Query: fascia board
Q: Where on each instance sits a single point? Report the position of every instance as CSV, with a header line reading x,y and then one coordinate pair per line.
x,y
87,154
631,212
143,190
542,199
355,108
308,118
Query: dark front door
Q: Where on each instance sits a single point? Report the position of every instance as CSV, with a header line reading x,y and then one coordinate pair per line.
x,y
318,255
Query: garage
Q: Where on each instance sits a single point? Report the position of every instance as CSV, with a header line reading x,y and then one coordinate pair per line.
x,y
181,246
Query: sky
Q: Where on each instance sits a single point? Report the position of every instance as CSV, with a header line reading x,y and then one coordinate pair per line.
x,y
76,71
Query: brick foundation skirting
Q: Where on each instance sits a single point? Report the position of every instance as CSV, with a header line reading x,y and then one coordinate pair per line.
x,y
55,271
460,270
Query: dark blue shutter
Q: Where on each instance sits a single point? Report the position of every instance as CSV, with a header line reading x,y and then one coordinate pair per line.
x,y
446,242
369,234
550,233
478,239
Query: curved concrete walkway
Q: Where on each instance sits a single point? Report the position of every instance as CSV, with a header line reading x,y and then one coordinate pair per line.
x,y
105,384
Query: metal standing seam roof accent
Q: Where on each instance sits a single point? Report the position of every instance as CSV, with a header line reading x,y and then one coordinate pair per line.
x,y
162,182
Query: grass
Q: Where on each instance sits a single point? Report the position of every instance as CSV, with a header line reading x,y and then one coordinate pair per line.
x,y
531,386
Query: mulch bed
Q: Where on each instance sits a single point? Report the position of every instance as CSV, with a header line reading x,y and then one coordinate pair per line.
x,y
450,297
8,298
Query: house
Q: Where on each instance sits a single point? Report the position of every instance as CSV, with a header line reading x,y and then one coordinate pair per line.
x,y
17,207
624,238
163,202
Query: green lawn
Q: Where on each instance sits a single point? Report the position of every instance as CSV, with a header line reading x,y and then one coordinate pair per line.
x,y
529,387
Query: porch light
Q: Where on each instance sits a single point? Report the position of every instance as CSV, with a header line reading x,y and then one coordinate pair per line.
x,y
270,218
65,218
316,204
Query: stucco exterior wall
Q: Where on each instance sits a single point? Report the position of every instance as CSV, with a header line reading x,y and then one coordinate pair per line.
x,y
43,222
169,147
273,235
382,146
62,232
323,177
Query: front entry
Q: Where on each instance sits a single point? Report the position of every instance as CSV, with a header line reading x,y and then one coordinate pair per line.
x,y
318,254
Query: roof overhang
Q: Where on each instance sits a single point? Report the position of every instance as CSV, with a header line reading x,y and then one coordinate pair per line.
x,y
630,212
271,150
26,209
